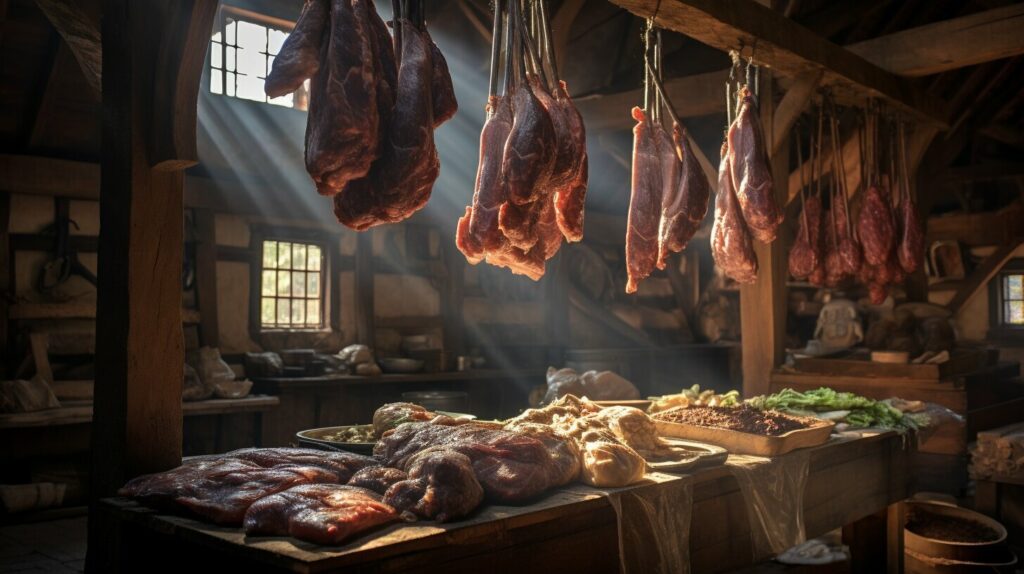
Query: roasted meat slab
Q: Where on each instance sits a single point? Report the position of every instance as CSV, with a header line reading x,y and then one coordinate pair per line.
x,y
441,485
220,489
377,478
318,513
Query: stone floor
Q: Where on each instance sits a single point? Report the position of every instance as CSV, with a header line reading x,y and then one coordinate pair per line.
x,y
56,546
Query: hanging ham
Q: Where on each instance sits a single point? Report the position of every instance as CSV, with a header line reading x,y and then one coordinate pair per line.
x,y
684,206
644,204
751,175
731,246
876,227
806,253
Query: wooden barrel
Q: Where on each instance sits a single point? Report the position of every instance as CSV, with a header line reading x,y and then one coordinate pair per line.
x,y
935,551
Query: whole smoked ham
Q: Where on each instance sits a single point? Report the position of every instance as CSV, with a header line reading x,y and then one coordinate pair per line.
x,y
850,254
403,177
479,232
731,246
299,57
644,204
529,154
684,208
806,253
342,127
751,175
876,227
570,197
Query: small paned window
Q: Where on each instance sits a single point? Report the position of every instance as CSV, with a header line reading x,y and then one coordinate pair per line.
x,y
292,285
1006,304
1013,299
242,51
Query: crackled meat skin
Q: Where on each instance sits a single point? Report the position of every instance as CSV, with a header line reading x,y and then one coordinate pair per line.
x,y
342,127
570,197
443,93
442,485
684,208
876,227
299,57
731,246
403,177
511,467
220,489
320,513
377,478
529,153
805,254
751,176
343,464
911,248
478,230
644,204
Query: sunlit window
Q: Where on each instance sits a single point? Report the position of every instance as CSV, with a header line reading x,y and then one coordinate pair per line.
x,y
292,286
242,52
1013,299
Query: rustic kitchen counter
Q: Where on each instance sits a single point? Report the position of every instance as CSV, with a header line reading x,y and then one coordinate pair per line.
x,y
852,481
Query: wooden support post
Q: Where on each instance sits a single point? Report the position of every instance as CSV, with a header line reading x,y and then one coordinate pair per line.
x,y
137,416
206,277
895,519
763,303
6,275
365,328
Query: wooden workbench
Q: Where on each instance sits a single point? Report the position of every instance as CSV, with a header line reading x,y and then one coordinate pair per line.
x,y
573,529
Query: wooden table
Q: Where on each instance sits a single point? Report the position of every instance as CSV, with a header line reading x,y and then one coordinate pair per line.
x,y
573,529
313,402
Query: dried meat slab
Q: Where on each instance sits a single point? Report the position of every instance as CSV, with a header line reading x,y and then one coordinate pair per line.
x,y
299,57
751,175
325,514
644,204
220,489
731,246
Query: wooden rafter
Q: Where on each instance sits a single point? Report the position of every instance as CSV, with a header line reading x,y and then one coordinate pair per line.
x,y
82,34
701,94
966,41
788,48
980,277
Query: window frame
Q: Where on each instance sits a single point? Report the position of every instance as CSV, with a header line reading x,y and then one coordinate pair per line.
x,y
998,330
236,13
258,235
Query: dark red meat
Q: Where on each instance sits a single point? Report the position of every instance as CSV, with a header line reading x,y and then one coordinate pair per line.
x,y
403,177
377,478
342,127
480,231
442,91
644,204
299,57
731,246
570,197
806,253
344,464
319,513
683,208
751,174
876,227
220,489
530,150
442,485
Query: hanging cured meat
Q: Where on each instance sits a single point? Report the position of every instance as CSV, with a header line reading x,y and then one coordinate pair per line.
x,y
403,177
911,245
731,246
805,255
751,175
299,57
644,204
875,226
682,210
441,88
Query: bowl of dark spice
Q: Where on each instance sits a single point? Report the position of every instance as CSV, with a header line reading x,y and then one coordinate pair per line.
x,y
944,532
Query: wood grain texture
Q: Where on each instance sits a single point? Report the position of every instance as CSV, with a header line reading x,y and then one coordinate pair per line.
x,y
965,41
981,275
788,49
82,34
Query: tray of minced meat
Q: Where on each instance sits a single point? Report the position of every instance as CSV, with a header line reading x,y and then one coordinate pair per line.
x,y
743,429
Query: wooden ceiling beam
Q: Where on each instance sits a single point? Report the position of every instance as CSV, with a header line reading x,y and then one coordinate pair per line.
x,y
82,34
789,49
956,43
925,50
